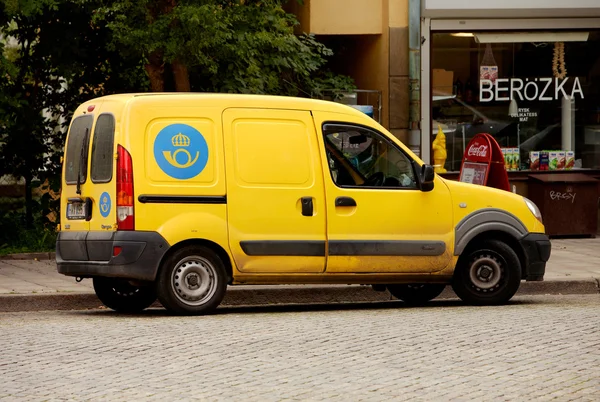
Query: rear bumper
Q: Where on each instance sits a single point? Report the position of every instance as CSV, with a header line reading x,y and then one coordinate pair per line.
x,y
89,254
537,249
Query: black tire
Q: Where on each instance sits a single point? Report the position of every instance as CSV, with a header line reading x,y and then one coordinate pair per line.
x,y
192,281
118,294
489,273
416,294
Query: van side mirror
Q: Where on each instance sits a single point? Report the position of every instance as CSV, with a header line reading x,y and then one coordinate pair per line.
x,y
426,177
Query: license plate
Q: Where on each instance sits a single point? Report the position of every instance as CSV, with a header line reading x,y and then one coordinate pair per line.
x,y
76,210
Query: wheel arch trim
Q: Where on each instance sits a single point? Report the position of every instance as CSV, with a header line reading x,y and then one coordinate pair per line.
x,y
221,251
486,220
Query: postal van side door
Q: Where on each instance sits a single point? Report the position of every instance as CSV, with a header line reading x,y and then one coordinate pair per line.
x,y
275,194
378,220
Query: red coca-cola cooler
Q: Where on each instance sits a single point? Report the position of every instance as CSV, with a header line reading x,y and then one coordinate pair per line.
x,y
483,163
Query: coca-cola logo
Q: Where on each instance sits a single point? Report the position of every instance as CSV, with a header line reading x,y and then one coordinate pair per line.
x,y
478,150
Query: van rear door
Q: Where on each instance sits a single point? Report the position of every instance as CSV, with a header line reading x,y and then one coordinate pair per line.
x,y
76,207
102,174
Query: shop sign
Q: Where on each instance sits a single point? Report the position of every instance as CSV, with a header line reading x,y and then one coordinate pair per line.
x,y
523,114
538,89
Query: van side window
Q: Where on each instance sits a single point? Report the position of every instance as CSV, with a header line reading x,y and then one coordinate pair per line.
x,y
102,149
77,147
361,157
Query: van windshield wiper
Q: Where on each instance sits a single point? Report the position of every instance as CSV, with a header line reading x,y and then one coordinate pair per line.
x,y
81,165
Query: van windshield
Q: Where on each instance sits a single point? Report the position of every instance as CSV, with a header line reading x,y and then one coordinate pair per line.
x,y
77,147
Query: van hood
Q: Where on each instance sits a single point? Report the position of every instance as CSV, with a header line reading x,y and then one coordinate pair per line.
x,y
468,198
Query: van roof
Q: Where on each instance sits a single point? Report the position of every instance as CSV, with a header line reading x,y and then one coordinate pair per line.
x,y
237,100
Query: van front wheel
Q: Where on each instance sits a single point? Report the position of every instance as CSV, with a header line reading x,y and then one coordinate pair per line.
x,y
192,281
416,294
120,295
489,273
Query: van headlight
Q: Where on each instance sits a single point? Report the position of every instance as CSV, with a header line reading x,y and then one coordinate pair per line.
x,y
534,209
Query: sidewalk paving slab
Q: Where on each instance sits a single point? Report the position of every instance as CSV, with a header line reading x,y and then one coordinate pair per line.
x,y
33,283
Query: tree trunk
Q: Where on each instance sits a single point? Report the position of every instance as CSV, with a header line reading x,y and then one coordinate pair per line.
x,y
28,203
155,70
182,77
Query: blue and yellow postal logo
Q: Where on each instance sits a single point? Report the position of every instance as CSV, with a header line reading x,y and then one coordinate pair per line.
x,y
104,204
180,151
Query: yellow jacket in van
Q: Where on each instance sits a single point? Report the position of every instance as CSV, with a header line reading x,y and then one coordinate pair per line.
x,y
177,196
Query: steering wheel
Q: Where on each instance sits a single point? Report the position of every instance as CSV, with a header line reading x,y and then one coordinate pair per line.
x,y
375,180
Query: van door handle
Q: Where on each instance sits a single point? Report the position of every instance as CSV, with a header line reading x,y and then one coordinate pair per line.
x,y
307,206
345,202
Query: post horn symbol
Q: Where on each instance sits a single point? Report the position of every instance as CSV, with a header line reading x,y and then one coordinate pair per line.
x,y
181,141
104,204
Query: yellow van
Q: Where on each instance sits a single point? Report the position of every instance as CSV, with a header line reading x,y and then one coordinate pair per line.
x,y
176,196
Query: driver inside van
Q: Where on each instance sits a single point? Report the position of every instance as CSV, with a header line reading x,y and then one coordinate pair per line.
x,y
357,159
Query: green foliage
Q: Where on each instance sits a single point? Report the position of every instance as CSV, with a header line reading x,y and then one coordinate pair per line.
x,y
243,46
22,240
15,237
52,58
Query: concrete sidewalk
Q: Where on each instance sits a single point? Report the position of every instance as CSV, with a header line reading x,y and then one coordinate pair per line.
x,y
574,267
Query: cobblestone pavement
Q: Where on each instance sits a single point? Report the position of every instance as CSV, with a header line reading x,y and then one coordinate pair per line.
x,y
537,348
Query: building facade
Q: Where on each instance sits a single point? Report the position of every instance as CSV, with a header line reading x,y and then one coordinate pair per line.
x,y
526,72
370,41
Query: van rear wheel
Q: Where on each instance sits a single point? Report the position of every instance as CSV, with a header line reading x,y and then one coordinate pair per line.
x,y
120,295
489,273
416,294
193,280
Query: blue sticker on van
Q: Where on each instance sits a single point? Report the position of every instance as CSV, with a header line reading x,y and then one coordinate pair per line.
x,y
104,204
180,151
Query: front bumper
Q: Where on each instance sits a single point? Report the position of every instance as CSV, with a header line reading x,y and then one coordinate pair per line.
x,y
89,254
537,250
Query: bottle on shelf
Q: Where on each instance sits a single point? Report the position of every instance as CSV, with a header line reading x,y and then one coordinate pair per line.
x,y
458,88
469,93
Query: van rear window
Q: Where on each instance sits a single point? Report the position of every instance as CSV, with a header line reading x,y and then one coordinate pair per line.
x,y
77,146
102,149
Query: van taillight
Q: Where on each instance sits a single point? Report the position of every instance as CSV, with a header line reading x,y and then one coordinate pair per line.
x,y
125,218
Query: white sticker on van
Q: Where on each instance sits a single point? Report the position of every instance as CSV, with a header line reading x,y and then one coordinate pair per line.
x,y
180,151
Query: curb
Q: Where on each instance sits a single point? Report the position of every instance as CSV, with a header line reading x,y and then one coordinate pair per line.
x,y
559,287
281,295
30,256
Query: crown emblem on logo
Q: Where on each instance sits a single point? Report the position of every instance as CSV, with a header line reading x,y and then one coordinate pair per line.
x,y
180,140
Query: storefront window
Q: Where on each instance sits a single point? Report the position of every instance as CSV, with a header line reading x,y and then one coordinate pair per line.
x,y
537,93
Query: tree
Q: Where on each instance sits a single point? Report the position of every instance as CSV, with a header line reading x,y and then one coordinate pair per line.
x,y
52,58
245,46
55,54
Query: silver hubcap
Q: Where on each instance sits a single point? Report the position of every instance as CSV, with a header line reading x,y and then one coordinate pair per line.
x,y
486,272
194,280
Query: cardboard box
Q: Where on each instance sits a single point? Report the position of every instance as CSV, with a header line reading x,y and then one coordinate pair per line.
x,y
516,159
442,82
562,160
570,160
544,160
553,160
534,160
508,153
